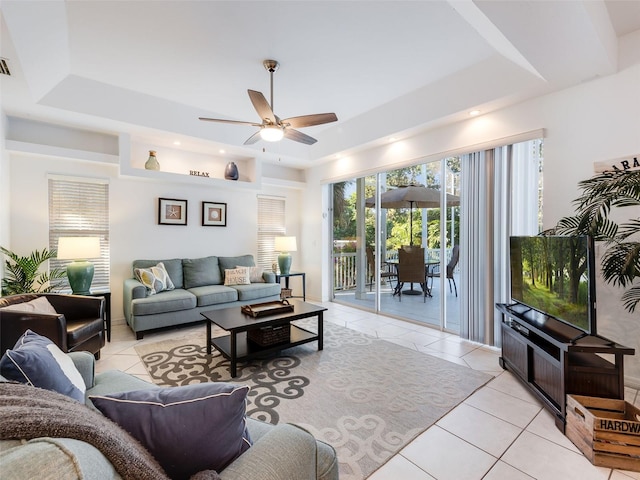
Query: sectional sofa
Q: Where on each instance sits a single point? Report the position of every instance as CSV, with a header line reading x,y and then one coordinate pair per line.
x,y
279,452
196,285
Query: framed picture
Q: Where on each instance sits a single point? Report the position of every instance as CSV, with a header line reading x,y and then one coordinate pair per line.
x,y
214,214
172,211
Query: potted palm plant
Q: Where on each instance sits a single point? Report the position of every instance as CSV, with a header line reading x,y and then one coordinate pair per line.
x,y
621,260
23,275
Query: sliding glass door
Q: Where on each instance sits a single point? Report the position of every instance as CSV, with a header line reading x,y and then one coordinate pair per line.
x,y
410,211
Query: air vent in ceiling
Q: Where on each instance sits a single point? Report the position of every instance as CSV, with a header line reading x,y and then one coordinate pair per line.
x,y
4,66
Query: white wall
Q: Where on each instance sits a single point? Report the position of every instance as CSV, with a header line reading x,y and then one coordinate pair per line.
x,y
134,232
592,122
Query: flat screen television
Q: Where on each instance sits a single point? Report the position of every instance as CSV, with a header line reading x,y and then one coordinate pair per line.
x,y
555,275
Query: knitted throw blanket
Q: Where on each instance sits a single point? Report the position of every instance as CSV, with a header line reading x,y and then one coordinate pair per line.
x,y
27,412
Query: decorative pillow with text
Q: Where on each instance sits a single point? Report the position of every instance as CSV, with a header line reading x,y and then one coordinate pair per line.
x,y
237,276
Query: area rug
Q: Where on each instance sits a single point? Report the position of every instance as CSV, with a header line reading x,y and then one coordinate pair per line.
x,y
365,396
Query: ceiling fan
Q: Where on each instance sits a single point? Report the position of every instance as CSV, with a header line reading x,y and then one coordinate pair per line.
x,y
272,128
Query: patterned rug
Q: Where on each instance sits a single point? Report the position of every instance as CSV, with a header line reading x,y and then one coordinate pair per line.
x,y
366,397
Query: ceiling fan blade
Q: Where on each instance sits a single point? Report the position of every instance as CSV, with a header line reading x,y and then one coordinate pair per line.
x,y
253,138
297,136
262,106
310,120
223,120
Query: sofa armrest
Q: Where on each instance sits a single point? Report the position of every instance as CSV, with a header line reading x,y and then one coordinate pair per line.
x,y
269,277
13,324
131,290
85,362
283,453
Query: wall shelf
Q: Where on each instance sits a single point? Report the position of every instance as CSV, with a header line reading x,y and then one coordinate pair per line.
x,y
176,165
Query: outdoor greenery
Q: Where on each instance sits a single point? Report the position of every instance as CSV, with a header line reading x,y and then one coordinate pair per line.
x,y
397,220
23,275
621,260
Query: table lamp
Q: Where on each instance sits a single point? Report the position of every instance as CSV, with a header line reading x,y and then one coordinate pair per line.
x,y
284,245
80,271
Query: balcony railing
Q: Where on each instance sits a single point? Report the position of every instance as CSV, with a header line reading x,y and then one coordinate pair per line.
x,y
345,272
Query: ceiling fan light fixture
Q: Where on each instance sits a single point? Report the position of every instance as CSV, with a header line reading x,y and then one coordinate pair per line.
x,y
271,133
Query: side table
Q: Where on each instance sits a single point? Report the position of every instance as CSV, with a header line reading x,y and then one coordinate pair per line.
x,y
107,309
287,276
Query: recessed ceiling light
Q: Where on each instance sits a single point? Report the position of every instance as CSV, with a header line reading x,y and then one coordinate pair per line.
x,y
222,151
177,142
474,113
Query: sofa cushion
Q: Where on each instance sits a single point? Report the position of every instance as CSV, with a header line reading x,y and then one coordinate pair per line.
x,y
214,294
233,262
155,278
257,290
37,361
237,276
201,271
37,305
171,301
172,266
187,429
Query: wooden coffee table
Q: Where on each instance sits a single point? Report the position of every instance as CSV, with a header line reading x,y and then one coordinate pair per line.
x,y
236,347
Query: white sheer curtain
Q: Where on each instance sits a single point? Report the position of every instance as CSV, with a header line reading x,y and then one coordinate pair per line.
x,y
500,197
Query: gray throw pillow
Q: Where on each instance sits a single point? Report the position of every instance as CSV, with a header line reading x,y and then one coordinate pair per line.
x,y
187,429
200,272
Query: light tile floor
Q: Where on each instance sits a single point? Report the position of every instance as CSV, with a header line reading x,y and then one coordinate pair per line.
x,y
501,432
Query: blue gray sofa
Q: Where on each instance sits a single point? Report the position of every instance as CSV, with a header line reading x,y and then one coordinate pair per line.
x,y
199,286
279,452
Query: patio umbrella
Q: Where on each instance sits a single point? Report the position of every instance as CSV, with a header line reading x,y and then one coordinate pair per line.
x,y
410,196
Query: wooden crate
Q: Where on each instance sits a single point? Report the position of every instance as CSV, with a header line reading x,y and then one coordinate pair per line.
x,y
606,430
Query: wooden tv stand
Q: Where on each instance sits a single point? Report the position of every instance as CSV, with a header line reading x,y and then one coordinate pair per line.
x,y
554,359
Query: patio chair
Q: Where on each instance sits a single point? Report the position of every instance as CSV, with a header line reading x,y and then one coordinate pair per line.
x,y
435,272
411,269
386,272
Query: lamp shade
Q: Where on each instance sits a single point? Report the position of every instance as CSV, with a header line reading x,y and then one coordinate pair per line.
x,y
78,248
285,244
80,271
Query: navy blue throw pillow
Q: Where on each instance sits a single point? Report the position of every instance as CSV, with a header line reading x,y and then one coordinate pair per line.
x,y
187,429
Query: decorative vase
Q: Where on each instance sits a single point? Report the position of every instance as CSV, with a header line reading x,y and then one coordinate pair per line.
x,y
152,162
231,171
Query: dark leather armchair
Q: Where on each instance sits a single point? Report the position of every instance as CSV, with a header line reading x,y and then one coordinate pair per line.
x,y
78,325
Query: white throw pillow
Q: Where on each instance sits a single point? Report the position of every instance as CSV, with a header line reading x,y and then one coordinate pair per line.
x,y
237,276
38,305
255,274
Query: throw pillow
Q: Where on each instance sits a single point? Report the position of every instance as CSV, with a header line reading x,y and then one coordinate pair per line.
x,y
37,305
37,361
156,279
255,274
187,429
237,276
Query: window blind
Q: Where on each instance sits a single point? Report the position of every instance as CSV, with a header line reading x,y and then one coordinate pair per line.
x,y
80,208
271,224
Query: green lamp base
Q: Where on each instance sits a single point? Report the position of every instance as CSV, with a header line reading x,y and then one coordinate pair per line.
x,y
284,262
80,275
